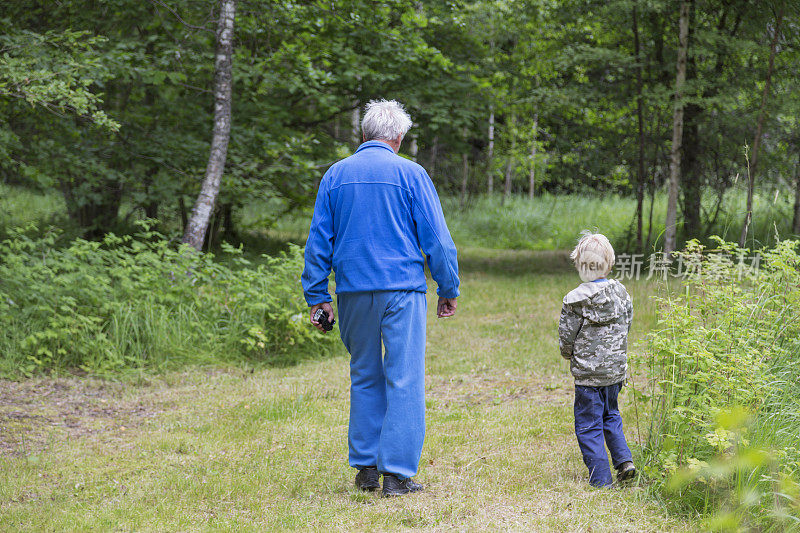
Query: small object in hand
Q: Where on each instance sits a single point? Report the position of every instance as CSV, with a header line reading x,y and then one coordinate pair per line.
x,y
321,317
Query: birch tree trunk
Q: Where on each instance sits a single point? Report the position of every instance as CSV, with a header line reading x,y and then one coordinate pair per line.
x,y
413,147
355,126
677,132
532,176
195,231
762,112
510,164
490,155
509,174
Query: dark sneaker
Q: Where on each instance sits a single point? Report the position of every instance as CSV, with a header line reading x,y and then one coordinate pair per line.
x,y
368,478
394,486
626,472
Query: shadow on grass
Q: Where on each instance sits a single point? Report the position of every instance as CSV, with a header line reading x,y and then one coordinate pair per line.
x,y
513,263
471,260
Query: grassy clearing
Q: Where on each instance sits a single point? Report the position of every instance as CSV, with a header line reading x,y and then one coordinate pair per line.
x,y
552,222
235,450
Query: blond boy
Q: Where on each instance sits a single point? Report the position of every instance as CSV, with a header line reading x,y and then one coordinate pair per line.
x,y
593,336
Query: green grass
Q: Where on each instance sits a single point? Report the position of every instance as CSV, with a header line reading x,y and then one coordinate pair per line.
x,y
216,449
553,222
20,206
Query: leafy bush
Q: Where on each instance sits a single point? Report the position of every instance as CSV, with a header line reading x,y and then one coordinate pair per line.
x,y
724,382
138,301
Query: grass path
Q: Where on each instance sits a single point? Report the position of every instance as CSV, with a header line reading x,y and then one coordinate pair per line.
x,y
233,450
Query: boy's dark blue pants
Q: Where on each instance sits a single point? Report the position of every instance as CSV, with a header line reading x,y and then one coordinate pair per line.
x,y
597,419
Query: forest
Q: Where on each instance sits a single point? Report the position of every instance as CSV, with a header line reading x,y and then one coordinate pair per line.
x,y
159,162
111,104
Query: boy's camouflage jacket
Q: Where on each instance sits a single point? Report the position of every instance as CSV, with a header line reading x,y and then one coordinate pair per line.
x,y
593,332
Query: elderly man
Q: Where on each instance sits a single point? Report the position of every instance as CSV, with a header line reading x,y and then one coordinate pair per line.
x,y
375,214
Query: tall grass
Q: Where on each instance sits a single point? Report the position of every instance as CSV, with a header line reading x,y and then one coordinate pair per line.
x,y
551,222
20,206
725,379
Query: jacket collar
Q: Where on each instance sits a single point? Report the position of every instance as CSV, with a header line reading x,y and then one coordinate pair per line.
x,y
374,144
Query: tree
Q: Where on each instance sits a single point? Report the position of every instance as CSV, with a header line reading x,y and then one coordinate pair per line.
x,y
223,81
751,171
639,124
53,71
532,171
677,130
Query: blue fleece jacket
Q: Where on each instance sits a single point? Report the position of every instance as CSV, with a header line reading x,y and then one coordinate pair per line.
x,y
374,212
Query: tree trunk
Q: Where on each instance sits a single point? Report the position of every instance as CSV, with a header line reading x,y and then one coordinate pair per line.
x,y
216,225
490,154
691,172
640,120
413,147
464,178
532,175
509,175
677,132
355,126
434,155
182,211
510,164
227,221
653,178
796,221
762,112
223,81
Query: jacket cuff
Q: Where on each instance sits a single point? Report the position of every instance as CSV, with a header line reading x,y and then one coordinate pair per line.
x,y
319,300
451,293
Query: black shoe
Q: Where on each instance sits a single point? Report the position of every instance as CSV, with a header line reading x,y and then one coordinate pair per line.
x,y
626,472
368,478
394,486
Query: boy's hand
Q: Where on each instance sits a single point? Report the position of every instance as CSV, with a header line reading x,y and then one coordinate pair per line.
x,y
446,307
325,306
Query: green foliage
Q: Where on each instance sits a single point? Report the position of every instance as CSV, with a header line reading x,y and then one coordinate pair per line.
x,y
137,301
723,387
54,70
300,70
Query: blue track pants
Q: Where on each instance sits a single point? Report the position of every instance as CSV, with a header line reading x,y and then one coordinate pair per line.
x,y
387,390
597,419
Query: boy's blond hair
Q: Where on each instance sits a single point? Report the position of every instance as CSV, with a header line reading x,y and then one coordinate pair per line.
x,y
593,256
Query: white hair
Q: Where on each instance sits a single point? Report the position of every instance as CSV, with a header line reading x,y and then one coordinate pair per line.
x,y
593,256
385,120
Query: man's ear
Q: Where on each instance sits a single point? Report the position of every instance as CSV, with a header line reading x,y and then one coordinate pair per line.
x,y
363,138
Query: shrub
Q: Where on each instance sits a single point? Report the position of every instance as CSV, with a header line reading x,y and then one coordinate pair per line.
x,y
139,301
724,383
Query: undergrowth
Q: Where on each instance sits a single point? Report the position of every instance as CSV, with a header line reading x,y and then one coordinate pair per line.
x,y
138,301
724,380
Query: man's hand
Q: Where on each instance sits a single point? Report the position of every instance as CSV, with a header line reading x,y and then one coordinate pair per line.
x,y
446,307
326,306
